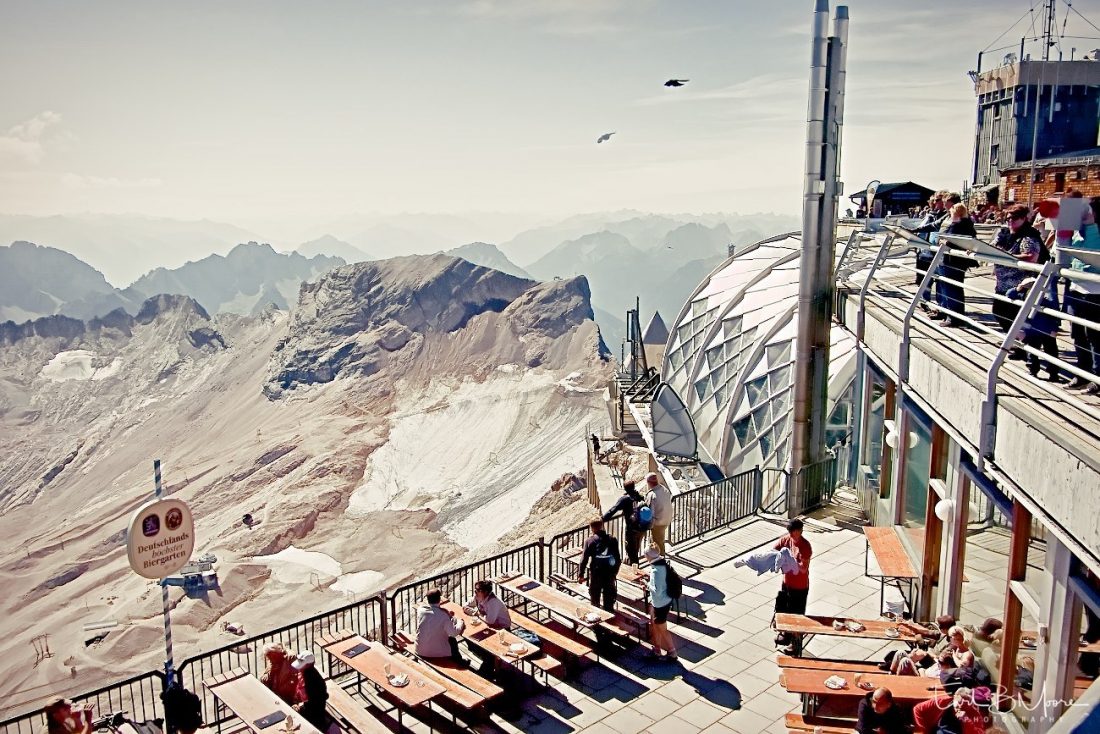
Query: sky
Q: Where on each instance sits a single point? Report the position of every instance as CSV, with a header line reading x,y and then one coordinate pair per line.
x,y
282,116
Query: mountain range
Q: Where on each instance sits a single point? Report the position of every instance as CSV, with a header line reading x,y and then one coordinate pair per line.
x,y
403,413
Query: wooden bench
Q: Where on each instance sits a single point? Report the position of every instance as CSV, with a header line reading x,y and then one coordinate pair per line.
x,y
846,666
352,713
885,545
464,687
798,723
562,641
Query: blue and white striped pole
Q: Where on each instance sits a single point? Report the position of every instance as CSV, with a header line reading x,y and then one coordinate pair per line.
x,y
168,665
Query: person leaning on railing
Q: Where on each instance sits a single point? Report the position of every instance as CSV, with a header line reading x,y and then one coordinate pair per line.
x,y
1083,301
62,719
951,297
1023,242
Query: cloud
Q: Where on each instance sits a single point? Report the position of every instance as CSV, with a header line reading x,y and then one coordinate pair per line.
x,y
80,181
25,142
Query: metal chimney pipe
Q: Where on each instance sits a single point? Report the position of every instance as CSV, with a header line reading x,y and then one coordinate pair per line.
x,y
802,451
825,118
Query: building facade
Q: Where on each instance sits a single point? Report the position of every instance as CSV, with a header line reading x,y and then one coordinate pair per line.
x,y
1054,105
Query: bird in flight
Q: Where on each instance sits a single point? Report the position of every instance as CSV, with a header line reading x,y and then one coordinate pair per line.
x,y
604,138
676,82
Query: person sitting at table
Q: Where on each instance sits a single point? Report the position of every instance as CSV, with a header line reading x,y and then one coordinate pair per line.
x,y
963,715
62,719
927,713
915,663
490,608
278,674
312,692
660,603
956,641
967,674
436,630
989,629
878,714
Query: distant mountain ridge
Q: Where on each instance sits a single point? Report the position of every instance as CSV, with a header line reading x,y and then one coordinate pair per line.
x,y
333,247
40,281
248,279
487,255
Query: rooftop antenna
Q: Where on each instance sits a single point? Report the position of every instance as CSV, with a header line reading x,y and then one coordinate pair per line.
x,y
1049,10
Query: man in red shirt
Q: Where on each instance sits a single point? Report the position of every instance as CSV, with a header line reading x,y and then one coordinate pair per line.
x,y
796,585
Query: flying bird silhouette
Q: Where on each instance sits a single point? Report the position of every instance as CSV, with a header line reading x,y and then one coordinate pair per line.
x,y
676,82
604,138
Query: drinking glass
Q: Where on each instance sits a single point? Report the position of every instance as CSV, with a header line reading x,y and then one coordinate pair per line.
x,y
386,669
857,678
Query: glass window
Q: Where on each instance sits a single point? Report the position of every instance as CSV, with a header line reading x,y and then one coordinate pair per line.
x,y
871,455
918,458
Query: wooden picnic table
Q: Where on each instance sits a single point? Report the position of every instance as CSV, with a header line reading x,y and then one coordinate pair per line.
x,y
810,684
250,700
874,629
558,602
885,545
371,664
475,631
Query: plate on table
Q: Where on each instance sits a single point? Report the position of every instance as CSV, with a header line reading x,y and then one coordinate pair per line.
x,y
854,626
835,683
506,576
1029,642
517,648
592,617
399,681
867,685
892,633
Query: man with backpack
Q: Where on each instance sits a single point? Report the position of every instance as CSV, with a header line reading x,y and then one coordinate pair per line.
x,y
659,499
638,517
601,558
665,587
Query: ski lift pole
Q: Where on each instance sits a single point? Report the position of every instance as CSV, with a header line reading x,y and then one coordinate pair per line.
x,y
168,664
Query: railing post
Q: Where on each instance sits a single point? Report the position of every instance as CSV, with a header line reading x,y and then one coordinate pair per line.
x,y
383,621
988,437
757,488
906,323
542,558
879,259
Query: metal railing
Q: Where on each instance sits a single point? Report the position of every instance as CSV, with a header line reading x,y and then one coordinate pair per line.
x,y
1011,330
811,486
458,583
698,511
365,617
714,506
138,698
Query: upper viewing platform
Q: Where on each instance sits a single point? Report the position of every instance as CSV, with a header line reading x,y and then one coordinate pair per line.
x,y
954,357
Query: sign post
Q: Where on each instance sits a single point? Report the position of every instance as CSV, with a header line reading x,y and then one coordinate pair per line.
x,y
159,542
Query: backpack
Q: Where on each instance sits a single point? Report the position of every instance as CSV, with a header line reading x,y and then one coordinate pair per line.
x,y
674,585
604,559
182,708
642,518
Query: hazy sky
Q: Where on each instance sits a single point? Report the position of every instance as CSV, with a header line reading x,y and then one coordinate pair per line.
x,y
290,114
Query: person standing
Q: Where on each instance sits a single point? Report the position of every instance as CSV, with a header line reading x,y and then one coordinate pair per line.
x,y
1083,301
601,559
312,691
628,506
659,499
951,297
1022,242
795,590
660,603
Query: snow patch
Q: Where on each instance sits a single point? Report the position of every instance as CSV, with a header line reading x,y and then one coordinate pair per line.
x,y
296,566
75,364
359,582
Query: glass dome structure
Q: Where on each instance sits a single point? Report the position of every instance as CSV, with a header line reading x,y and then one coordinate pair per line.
x,y
730,356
